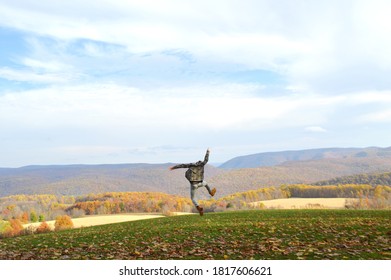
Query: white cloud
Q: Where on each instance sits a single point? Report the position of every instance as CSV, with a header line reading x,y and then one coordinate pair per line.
x,y
315,129
382,116
368,97
109,104
370,107
49,66
221,107
30,76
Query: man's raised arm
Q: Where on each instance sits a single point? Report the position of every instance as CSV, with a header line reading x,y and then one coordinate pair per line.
x,y
188,165
206,157
183,165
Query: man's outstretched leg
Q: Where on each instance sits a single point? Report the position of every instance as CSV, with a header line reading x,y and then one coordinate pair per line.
x,y
212,192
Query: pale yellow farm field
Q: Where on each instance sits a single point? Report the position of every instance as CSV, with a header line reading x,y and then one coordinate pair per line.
x,y
102,220
302,203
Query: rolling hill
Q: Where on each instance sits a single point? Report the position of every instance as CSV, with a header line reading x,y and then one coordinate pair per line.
x,y
242,235
306,172
276,158
85,179
373,179
307,167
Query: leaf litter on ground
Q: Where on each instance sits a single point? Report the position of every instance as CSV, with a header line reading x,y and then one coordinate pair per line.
x,y
261,234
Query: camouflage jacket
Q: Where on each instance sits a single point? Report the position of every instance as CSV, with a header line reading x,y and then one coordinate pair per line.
x,y
195,173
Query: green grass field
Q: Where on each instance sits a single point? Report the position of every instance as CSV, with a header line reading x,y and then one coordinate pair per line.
x,y
263,234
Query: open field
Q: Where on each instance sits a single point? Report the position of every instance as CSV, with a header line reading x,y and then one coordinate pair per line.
x,y
261,234
304,203
101,220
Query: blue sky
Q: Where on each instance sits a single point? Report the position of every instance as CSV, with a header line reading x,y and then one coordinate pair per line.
x,y
160,81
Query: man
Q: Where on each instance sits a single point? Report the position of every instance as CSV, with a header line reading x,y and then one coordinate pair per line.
x,y
195,175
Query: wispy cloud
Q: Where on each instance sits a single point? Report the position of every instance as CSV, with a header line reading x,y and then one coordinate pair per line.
x,y
30,76
315,129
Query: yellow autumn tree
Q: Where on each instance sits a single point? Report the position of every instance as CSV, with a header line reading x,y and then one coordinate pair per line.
x,y
63,222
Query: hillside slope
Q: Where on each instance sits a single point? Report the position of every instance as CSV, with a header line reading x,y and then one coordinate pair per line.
x,y
372,179
85,179
306,172
245,235
276,158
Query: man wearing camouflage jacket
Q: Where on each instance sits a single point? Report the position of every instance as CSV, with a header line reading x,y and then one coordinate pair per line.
x,y
195,175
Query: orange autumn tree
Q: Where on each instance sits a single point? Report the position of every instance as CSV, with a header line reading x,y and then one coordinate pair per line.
x,y
43,227
15,228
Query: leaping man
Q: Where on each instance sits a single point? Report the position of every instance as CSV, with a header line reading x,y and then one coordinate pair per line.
x,y
195,175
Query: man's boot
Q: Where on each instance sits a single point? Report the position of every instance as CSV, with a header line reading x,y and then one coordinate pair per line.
x,y
201,210
212,192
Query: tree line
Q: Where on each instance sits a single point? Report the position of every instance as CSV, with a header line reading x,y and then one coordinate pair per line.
x,y
375,179
362,196
130,202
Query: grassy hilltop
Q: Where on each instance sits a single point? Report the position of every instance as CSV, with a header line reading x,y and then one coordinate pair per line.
x,y
261,234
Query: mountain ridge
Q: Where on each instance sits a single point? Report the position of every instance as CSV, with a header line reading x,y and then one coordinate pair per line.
x,y
80,179
279,157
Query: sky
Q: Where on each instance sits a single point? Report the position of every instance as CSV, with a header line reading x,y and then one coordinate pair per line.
x,y
115,81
